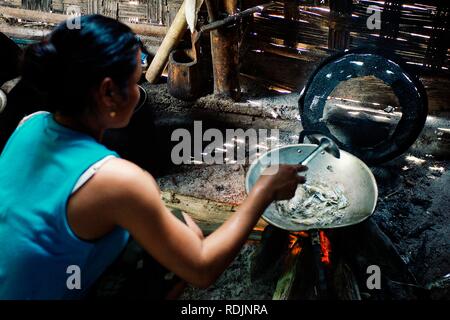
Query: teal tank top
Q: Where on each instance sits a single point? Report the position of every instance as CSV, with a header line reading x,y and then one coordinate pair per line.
x,y
40,256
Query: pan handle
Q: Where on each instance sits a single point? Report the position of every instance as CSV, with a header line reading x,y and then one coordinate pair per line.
x,y
235,17
307,133
323,144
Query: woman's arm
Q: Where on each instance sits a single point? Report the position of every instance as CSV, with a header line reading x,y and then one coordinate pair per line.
x,y
131,199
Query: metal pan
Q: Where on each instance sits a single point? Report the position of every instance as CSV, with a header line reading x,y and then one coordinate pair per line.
x,y
352,174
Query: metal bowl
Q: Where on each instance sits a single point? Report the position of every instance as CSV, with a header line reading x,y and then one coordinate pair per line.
x,y
352,174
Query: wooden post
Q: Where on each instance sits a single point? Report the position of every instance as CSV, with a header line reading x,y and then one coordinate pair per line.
x,y
339,23
291,13
225,55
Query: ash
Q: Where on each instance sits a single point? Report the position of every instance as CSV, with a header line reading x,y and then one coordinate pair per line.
x,y
236,283
413,210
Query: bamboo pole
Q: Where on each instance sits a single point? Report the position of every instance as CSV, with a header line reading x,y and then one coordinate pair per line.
x,y
172,38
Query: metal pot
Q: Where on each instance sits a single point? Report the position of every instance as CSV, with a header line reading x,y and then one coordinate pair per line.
x,y
359,184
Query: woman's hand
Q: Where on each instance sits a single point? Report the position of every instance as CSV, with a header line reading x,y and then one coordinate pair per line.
x,y
280,182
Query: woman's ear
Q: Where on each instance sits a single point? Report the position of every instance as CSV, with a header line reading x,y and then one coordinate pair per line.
x,y
107,93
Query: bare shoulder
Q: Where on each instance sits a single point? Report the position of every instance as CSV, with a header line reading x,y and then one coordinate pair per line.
x,y
123,176
121,168
117,190
123,185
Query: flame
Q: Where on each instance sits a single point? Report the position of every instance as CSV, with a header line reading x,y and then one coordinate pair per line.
x,y
302,234
326,247
294,244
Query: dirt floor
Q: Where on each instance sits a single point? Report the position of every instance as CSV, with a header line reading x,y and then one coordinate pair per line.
x,y
413,210
236,282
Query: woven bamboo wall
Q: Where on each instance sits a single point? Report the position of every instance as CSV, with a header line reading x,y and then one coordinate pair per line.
x,y
283,44
301,35
139,11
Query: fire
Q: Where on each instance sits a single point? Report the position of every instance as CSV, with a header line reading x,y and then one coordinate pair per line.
x,y
294,244
326,247
258,229
325,244
302,234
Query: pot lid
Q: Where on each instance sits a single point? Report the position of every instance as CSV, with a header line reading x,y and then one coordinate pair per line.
x,y
367,101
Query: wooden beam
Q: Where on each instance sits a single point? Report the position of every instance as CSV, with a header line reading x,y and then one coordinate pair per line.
x,y
56,18
208,214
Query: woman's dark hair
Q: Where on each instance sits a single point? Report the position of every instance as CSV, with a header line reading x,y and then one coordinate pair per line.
x,y
66,67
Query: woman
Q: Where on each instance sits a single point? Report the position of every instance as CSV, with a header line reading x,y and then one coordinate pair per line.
x,y
68,204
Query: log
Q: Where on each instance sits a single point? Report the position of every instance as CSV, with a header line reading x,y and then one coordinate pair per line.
x,y
172,38
270,251
208,214
285,285
56,18
366,244
345,282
